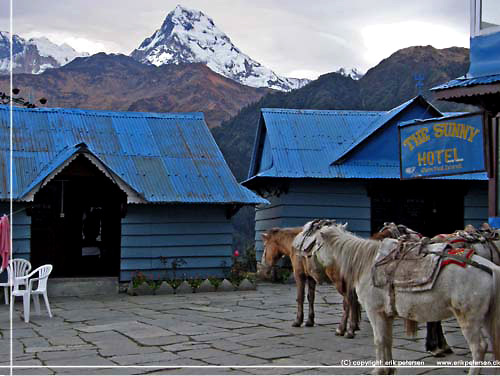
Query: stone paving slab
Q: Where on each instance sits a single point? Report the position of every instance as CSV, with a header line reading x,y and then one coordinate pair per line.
x,y
167,334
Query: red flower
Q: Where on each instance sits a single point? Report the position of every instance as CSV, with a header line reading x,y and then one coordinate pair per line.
x,y
236,253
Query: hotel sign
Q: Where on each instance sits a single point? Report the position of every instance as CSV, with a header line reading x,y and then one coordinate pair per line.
x,y
439,147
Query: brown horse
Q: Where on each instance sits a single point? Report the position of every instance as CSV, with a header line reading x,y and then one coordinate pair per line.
x,y
278,243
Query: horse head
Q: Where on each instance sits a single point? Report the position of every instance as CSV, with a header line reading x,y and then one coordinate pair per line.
x,y
271,255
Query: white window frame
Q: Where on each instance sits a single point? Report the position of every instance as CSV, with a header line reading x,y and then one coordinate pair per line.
x,y
475,16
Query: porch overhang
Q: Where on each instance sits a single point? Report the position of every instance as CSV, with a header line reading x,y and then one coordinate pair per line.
x,y
63,159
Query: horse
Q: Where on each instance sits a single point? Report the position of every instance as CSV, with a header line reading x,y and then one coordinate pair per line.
x,y
278,243
470,294
485,241
435,341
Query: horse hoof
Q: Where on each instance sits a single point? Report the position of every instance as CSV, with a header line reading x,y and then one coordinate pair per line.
x,y
447,350
349,335
437,353
296,324
339,332
310,323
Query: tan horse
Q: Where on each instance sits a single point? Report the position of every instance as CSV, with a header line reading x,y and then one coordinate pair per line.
x,y
278,243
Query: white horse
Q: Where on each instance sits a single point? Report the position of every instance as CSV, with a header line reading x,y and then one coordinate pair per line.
x,y
470,294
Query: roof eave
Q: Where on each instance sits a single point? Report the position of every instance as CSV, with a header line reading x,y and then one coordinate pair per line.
x,y
81,149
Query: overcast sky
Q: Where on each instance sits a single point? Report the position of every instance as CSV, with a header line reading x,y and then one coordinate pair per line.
x,y
298,38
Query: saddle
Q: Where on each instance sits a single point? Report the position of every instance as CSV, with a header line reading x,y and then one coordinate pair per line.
x,y
307,243
471,237
408,266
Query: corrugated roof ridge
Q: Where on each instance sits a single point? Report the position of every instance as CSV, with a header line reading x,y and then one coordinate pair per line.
x,y
381,120
106,113
464,81
326,112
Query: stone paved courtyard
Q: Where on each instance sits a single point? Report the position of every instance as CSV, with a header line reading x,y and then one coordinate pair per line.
x,y
173,334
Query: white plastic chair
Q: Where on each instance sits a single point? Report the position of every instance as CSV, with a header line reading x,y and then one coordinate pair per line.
x,y
43,276
15,268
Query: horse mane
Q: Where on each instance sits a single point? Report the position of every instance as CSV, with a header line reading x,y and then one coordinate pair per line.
x,y
283,231
354,256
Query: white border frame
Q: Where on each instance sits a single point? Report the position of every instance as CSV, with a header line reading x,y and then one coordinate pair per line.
x,y
11,366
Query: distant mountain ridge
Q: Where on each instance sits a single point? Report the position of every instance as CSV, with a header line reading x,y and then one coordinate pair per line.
x,y
34,55
119,83
189,36
383,87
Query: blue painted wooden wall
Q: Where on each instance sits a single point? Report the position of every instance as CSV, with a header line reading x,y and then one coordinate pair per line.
x,y
476,204
199,234
307,199
21,233
21,230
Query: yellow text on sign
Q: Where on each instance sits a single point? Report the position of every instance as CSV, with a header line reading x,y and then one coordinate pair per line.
x,y
455,130
429,158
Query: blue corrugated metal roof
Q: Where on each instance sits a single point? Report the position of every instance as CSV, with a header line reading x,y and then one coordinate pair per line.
x,y
304,143
383,118
466,82
164,157
446,116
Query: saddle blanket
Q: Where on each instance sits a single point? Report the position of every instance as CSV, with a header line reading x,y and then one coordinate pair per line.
x,y
413,266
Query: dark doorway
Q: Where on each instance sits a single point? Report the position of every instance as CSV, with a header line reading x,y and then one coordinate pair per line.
x,y
76,222
429,207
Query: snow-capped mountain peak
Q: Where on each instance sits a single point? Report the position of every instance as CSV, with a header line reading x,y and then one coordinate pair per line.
x,y
190,36
62,53
34,55
353,73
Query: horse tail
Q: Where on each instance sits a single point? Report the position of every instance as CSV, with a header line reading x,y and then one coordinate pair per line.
x,y
411,327
494,313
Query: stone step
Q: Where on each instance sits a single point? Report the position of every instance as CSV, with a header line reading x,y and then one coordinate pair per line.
x,y
82,286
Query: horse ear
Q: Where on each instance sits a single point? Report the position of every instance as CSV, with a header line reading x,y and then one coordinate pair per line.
x,y
264,236
470,228
344,226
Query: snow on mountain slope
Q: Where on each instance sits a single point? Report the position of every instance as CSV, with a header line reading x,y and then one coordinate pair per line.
x,y
62,53
353,73
189,36
34,55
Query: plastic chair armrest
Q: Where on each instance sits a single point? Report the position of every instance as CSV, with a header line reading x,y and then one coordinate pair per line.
x,y
28,275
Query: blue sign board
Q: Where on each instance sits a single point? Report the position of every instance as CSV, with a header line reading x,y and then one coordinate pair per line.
x,y
444,146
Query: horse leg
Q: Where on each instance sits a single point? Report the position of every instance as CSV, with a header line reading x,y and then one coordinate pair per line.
x,y
443,346
300,282
354,313
435,342
340,331
382,338
356,307
471,329
431,340
311,290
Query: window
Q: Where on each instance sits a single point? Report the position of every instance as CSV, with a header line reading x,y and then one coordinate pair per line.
x,y
490,14
485,17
